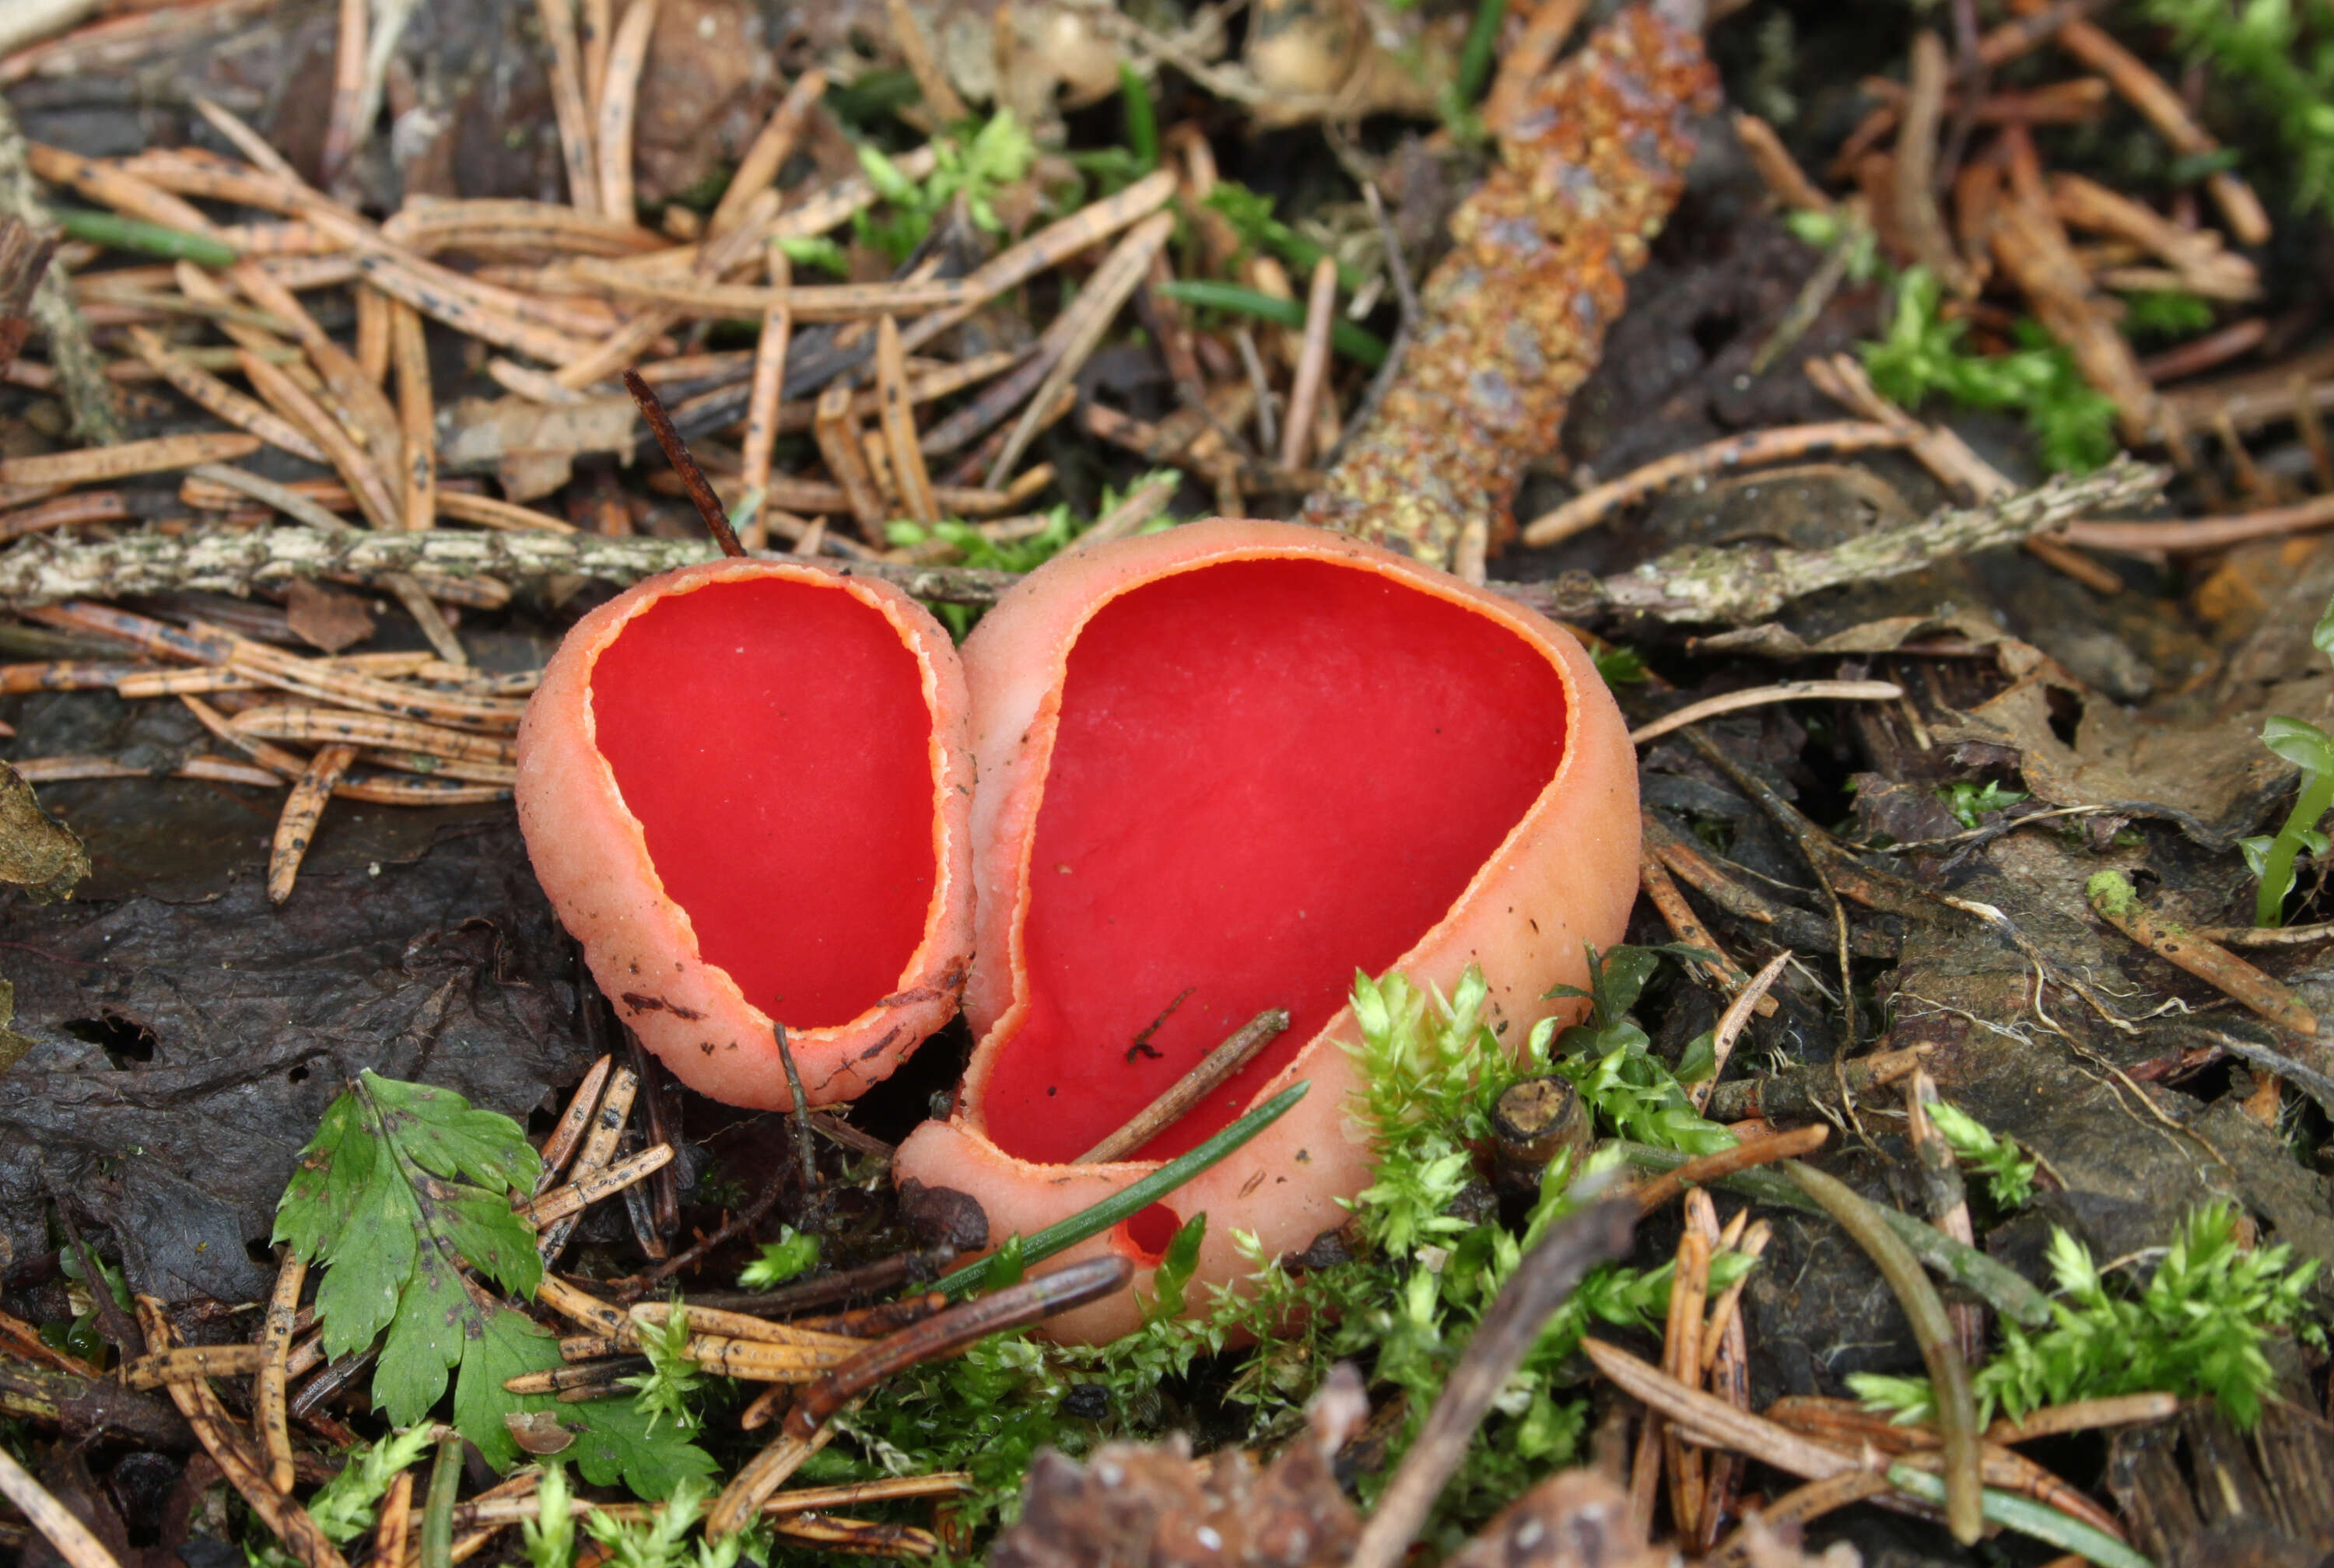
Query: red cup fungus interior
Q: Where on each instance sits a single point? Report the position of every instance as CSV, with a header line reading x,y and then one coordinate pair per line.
x,y
771,737
1268,775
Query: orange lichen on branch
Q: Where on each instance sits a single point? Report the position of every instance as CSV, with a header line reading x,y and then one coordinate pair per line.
x,y
1513,318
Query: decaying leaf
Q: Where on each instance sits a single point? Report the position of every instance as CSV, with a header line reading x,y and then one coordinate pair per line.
x,y
324,616
37,854
1150,1503
529,444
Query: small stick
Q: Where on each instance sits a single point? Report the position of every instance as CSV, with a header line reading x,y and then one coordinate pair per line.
x,y
2083,1416
594,1375
2190,535
909,474
767,155
1730,1024
1933,1332
947,1333
1788,443
372,334
330,726
561,1202
1207,1074
268,1385
1763,695
859,1537
569,105
1143,503
711,1323
565,1138
619,95
798,1105
2111,899
1508,1329
676,450
1745,1156
302,808
766,401
872,1279
1552,21
57,1523
1312,365
417,417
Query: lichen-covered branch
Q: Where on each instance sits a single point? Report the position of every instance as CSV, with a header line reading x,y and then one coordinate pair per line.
x,y
1703,584
1698,585
44,569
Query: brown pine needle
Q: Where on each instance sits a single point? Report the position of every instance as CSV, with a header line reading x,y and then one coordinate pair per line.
x,y
99,465
208,392
186,1364
1312,364
560,1146
1787,444
766,403
577,1195
619,96
417,417
59,1525
899,423
268,1384
569,105
770,149
599,1147
301,809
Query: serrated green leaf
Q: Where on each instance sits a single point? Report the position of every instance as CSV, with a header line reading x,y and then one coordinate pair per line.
x,y
505,1344
446,1135
425,1341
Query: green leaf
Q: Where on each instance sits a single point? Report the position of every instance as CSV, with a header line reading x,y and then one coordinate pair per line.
x,y
405,1187
344,1506
2299,742
1343,336
1175,1265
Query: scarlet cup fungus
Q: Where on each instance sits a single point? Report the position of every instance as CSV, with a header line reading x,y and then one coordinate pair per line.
x,y
1221,769
746,788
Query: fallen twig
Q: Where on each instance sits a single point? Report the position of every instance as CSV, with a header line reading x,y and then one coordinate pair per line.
x,y
1508,1329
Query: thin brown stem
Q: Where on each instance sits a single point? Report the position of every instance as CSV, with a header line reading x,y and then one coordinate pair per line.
x,y
676,451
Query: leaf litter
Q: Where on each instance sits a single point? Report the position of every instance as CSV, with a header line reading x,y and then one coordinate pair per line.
x,y
2136,1143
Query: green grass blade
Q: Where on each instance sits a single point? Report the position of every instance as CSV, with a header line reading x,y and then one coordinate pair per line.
x,y
1094,1221
1344,337
2029,1517
130,234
